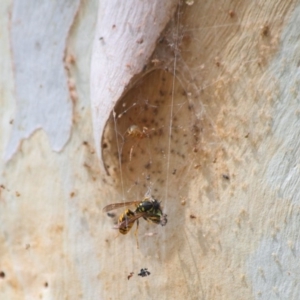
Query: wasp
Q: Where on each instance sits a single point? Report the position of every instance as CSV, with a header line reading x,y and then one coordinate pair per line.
x,y
149,209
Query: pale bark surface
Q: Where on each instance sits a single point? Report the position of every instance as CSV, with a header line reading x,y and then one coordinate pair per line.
x,y
221,153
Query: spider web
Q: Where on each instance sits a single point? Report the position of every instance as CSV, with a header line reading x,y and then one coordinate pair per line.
x,y
179,106
163,155
162,106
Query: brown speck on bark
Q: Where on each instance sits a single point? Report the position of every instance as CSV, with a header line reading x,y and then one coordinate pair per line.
x,y
265,30
231,14
225,176
70,59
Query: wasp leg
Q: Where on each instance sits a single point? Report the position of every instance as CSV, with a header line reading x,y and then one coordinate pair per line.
x,y
136,231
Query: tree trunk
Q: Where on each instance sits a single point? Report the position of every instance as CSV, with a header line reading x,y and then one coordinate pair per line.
x,y
193,104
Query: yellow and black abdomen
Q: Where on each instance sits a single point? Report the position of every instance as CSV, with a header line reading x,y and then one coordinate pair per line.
x,y
125,220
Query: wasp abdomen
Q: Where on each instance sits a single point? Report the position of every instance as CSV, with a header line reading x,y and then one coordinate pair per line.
x,y
125,219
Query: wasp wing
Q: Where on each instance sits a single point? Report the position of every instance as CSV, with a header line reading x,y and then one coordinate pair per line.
x,y
132,219
113,206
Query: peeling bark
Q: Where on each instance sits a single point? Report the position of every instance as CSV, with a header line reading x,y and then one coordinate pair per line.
x,y
126,36
39,33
